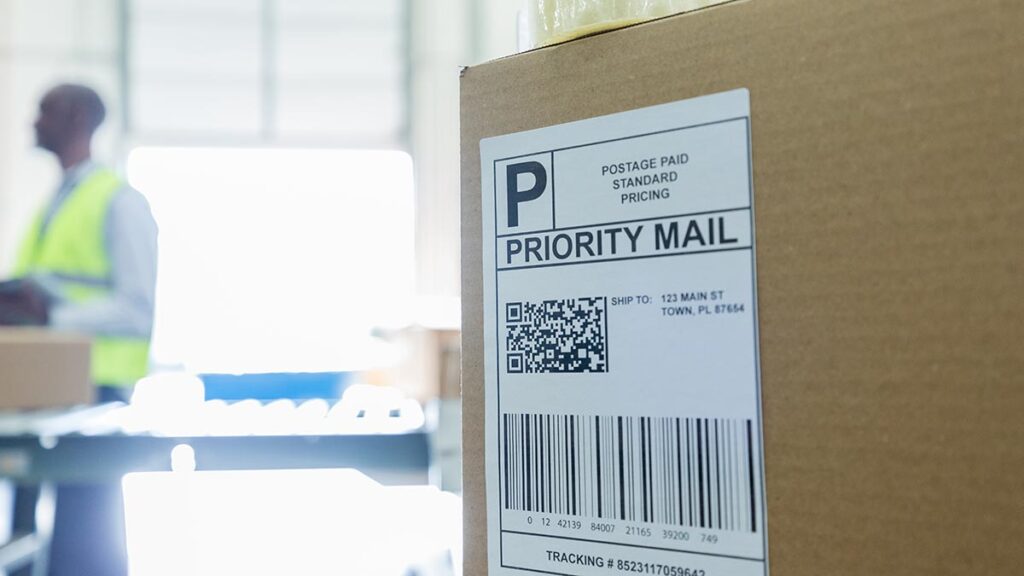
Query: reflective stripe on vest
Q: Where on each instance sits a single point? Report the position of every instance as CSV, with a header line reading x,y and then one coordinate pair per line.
x,y
73,249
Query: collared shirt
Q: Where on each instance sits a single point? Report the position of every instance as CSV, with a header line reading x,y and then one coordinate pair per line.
x,y
131,243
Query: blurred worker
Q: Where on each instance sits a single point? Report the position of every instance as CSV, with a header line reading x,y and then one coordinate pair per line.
x,y
88,265
92,250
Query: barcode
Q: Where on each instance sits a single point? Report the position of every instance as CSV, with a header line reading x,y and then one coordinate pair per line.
x,y
693,472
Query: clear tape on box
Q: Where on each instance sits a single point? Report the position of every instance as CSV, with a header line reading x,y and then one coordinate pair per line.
x,y
553,21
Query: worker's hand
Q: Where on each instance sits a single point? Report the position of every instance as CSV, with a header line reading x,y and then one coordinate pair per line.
x,y
37,302
24,302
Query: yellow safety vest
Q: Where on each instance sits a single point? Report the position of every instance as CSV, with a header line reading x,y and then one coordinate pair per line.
x,y
73,249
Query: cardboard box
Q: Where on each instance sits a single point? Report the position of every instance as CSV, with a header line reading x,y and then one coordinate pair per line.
x,y
43,369
888,162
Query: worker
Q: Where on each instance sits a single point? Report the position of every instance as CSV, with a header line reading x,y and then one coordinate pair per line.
x,y
88,265
92,250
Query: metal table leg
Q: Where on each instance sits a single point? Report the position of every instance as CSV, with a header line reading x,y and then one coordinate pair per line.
x,y
28,551
46,507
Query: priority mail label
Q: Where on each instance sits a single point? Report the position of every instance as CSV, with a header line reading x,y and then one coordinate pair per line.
x,y
623,405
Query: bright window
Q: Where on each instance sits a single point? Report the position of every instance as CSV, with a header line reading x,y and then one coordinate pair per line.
x,y
277,260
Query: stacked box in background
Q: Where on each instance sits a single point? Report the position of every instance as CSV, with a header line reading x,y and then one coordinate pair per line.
x,y
43,369
888,153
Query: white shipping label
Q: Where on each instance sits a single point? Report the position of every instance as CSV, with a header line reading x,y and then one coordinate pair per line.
x,y
623,405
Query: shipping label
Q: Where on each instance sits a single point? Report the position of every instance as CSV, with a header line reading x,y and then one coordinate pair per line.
x,y
623,406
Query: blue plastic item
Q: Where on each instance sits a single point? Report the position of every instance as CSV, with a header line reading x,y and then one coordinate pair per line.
x,y
273,386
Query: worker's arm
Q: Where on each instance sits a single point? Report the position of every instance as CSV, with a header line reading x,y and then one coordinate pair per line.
x,y
132,246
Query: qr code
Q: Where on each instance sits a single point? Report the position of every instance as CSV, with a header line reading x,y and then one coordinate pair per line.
x,y
557,336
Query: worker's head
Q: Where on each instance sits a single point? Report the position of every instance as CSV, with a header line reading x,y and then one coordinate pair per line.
x,y
69,114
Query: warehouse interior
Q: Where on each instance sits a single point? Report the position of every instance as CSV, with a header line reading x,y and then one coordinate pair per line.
x,y
301,163
510,287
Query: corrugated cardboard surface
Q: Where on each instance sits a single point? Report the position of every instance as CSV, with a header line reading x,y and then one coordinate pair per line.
x,y
42,369
888,150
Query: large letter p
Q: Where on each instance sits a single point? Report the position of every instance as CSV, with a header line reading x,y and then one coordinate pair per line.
x,y
515,195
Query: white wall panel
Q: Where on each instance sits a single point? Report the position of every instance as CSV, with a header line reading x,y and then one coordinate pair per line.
x,y
169,108
192,49
381,11
441,44
325,53
200,8
313,72
367,116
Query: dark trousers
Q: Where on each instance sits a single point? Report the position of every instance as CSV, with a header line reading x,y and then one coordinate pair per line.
x,y
88,529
